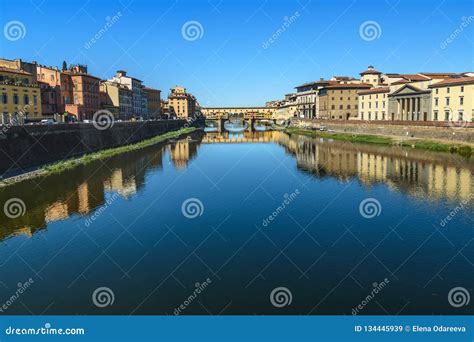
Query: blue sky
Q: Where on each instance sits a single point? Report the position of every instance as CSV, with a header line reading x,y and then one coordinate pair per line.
x,y
228,64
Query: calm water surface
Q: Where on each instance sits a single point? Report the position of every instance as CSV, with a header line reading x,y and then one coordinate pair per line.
x,y
119,224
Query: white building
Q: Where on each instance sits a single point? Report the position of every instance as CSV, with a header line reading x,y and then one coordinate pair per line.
x,y
140,105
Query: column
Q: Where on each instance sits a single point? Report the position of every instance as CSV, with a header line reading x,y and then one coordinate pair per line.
x,y
398,110
402,104
417,108
409,109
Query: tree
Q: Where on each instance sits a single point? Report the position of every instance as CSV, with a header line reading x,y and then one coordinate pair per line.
x,y
64,66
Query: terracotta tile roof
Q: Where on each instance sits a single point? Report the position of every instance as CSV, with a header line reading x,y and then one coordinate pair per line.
x,y
453,81
374,91
14,71
73,73
369,72
439,74
349,86
321,82
403,81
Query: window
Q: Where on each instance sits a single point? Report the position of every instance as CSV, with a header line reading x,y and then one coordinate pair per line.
x,y
461,100
340,107
4,98
447,101
15,99
376,116
435,113
348,106
370,115
447,90
26,99
362,115
446,115
460,115
333,107
436,101
462,89
362,105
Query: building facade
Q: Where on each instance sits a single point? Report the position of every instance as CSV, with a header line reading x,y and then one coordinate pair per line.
x,y
373,104
20,97
139,102
307,98
340,101
119,96
154,102
81,93
181,104
453,100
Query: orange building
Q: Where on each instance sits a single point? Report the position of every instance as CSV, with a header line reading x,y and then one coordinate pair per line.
x,y
81,92
73,91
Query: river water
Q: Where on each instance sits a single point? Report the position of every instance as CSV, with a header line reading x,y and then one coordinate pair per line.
x,y
243,223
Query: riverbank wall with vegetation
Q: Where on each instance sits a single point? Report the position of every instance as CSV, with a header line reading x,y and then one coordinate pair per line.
x,y
67,164
432,145
23,148
452,132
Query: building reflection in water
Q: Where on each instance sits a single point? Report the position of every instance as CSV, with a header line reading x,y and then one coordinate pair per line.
x,y
418,173
415,172
183,151
78,191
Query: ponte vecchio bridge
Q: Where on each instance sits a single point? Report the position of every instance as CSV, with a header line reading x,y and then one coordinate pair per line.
x,y
248,114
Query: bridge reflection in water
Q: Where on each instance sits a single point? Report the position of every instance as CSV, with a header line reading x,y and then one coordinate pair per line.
x,y
420,174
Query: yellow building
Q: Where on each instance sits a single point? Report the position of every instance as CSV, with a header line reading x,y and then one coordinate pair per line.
x,y
154,102
116,95
371,76
20,96
453,100
340,101
373,104
181,104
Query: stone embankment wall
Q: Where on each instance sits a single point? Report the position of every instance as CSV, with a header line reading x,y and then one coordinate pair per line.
x,y
25,147
402,129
